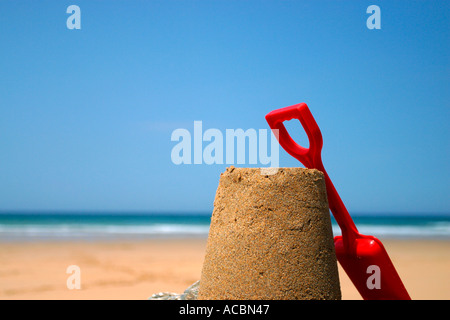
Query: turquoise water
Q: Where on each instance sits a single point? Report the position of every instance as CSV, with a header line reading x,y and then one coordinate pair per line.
x,y
92,226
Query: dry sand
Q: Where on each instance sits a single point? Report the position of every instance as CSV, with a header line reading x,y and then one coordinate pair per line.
x,y
137,269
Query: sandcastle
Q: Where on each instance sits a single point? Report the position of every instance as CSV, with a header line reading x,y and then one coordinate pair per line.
x,y
270,238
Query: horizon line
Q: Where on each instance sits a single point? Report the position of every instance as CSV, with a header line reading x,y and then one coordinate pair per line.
x,y
189,212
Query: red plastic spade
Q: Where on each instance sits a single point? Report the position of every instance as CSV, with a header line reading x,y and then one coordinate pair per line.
x,y
363,257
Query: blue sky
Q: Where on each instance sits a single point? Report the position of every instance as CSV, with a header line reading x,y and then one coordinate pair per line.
x,y
86,115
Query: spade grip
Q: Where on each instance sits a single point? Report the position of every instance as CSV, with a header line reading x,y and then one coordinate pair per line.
x,y
312,159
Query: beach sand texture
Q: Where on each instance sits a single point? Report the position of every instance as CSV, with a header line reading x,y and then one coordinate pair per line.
x,y
270,238
138,269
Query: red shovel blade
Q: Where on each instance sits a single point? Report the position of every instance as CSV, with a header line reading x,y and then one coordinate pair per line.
x,y
370,269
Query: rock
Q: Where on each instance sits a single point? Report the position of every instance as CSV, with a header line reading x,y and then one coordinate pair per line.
x,y
190,293
164,296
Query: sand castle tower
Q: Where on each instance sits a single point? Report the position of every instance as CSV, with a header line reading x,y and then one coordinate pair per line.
x,y
270,238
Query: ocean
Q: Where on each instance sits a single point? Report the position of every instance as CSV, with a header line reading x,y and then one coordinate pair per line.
x,y
114,226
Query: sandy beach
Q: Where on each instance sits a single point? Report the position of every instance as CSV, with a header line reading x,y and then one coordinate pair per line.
x,y
137,269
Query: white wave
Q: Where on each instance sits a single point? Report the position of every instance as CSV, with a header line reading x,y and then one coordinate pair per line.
x,y
80,231
88,230
435,230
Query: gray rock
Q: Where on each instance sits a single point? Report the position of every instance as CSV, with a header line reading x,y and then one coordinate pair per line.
x,y
190,293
